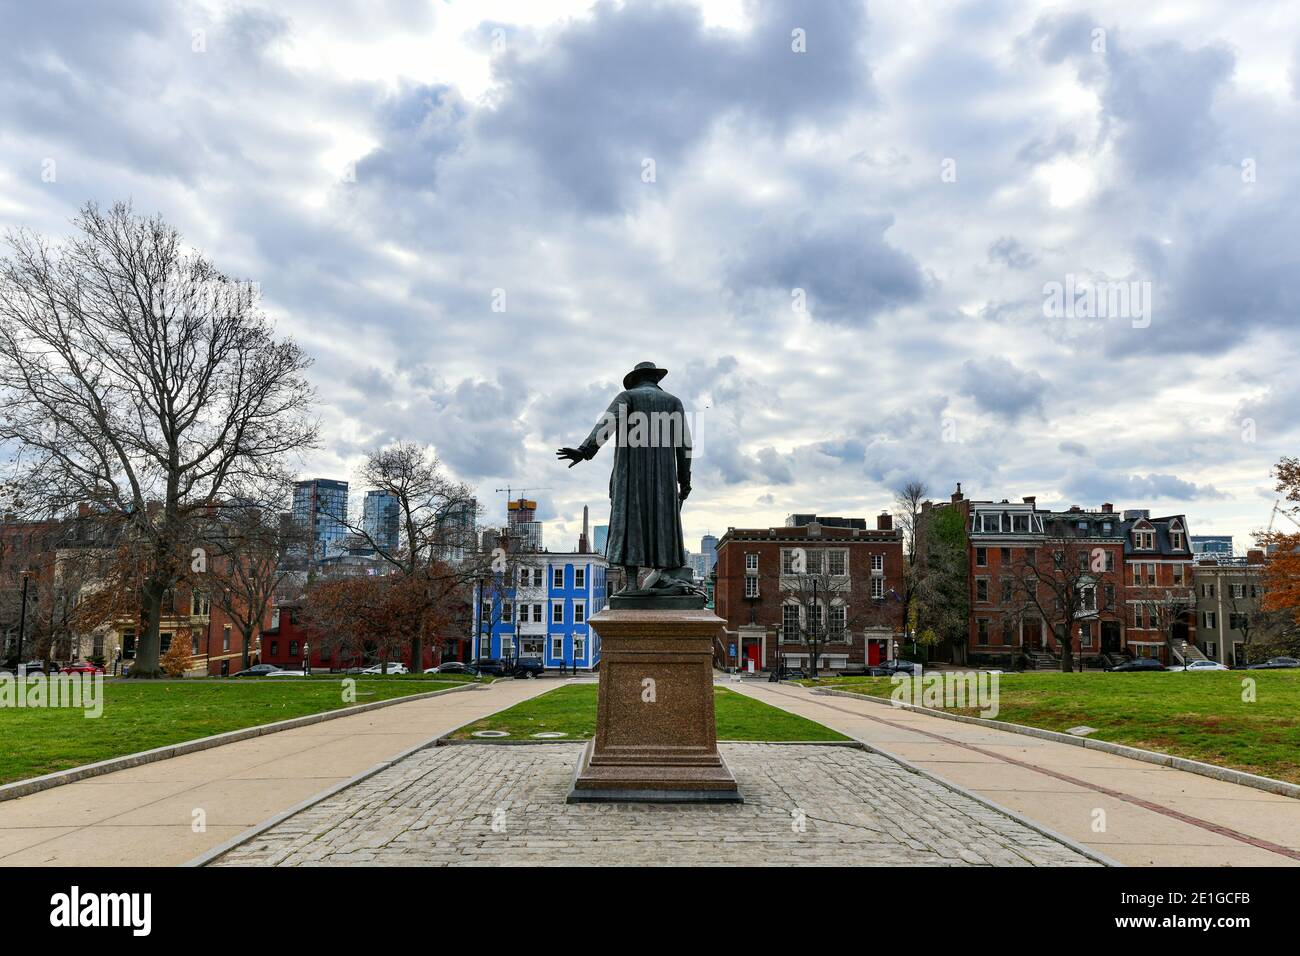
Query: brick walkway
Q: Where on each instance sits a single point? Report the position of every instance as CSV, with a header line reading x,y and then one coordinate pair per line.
x,y
492,804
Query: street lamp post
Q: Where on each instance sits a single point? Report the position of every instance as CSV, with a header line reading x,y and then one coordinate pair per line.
x,y
22,621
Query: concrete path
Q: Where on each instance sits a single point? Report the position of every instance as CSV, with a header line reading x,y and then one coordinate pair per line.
x,y
1153,816
144,816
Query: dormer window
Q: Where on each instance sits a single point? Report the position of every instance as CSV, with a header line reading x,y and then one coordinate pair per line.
x,y
1144,540
1176,535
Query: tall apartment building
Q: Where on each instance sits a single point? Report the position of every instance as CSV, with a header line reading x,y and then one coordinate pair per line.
x,y
321,506
381,520
543,610
764,598
523,524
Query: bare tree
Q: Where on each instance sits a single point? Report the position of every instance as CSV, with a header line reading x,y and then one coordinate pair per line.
x,y
907,510
244,563
1063,583
829,607
436,518
138,378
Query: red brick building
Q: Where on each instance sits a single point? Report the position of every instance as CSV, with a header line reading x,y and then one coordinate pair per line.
x,y
1160,598
1106,564
763,593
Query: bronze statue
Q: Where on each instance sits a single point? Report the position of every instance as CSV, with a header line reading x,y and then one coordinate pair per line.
x,y
650,479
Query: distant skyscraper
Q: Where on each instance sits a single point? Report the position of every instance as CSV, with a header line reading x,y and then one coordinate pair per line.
x,y
523,524
321,506
381,520
601,538
1211,543
709,550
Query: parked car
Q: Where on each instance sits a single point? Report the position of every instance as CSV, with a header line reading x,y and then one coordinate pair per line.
x,y
452,667
81,667
393,667
1274,663
528,667
1137,664
1201,666
787,673
487,665
257,670
287,672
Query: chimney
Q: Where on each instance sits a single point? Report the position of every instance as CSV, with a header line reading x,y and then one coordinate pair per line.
x,y
885,521
1030,500
1074,509
1255,556
957,495
1108,508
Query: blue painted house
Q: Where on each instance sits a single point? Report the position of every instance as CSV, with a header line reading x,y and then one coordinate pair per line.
x,y
542,611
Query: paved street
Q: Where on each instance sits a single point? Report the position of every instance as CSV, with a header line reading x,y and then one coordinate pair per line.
x,y
492,804
1152,815
144,816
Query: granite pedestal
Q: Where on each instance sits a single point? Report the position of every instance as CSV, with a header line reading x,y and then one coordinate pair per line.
x,y
655,735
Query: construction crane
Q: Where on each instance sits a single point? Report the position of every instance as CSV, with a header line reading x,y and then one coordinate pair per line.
x,y
1279,510
510,494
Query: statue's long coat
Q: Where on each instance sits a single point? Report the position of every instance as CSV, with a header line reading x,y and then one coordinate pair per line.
x,y
645,522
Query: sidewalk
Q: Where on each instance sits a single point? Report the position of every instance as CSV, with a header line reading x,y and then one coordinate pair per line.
x,y
1154,816
144,816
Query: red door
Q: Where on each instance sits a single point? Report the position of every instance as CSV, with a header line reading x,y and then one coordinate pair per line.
x,y
751,654
873,652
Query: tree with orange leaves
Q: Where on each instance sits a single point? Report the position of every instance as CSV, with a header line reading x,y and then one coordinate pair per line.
x,y
1282,573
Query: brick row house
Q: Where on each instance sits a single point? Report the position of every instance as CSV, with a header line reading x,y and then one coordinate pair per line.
x,y
827,583
1159,597
1123,580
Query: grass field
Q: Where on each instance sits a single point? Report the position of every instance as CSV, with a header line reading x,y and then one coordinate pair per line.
x,y
141,715
571,710
1200,716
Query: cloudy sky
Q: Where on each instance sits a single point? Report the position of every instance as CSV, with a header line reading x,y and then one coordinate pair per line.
x,y
834,222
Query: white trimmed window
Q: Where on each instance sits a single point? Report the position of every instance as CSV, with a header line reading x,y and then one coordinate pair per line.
x,y
751,585
557,647
839,561
836,623
877,588
557,612
751,562
537,614
557,578
579,612
877,564
579,648
790,622
579,577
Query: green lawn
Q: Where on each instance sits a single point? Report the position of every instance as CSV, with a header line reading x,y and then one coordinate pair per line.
x,y
1199,716
571,710
141,715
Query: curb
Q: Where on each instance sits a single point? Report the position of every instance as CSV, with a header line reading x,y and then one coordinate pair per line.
x,y
1226,774
23,788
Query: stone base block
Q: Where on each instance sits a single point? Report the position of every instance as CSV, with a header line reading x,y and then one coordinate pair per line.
x,y
655,734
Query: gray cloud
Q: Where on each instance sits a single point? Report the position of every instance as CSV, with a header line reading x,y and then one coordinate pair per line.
x,y
999,387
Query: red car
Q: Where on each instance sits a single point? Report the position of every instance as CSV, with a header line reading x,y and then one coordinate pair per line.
x,y
82,667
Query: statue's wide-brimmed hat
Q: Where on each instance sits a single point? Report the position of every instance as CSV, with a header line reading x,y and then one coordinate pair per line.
x,y
644,370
